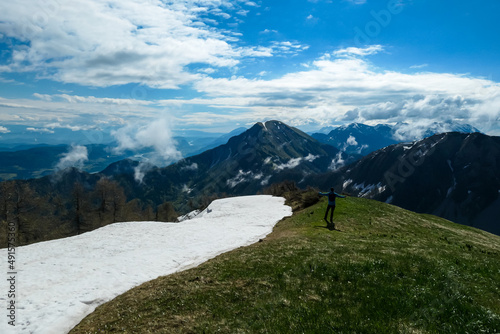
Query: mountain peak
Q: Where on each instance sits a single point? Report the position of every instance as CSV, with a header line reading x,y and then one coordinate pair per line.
x,y
272,124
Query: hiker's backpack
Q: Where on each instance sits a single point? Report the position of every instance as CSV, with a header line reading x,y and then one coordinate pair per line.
x,y
331,197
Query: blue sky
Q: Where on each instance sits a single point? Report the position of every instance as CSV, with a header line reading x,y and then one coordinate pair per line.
x,y
215,65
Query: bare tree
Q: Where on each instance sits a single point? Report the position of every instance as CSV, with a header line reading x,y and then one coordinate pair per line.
x,y
166,212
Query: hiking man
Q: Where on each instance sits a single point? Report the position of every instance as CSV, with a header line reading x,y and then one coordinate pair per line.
x,y
331,204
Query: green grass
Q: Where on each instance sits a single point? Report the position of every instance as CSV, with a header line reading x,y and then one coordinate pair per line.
x,y
387,271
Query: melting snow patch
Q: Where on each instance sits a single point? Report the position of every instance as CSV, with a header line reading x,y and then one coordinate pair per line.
x,y
62,281
188,216
265,181
186,189
365,191
346,183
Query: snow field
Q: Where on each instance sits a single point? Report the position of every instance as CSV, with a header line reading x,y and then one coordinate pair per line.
x,y
59,282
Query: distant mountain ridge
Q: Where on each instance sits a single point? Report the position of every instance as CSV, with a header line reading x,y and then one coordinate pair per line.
x,y
28,161
362,139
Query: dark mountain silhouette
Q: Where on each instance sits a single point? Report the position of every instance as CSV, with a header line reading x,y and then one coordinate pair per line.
x,y
452,175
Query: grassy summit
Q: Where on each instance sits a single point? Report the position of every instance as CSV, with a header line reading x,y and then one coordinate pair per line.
x,y
388,271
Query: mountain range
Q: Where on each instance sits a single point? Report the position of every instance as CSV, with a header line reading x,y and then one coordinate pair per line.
x,y
266,153
362,139
452,175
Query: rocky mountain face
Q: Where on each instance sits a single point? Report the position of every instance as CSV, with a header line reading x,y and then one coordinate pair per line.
x,y
452,175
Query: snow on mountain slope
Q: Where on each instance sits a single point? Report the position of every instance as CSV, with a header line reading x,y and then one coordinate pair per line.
x,y
59,282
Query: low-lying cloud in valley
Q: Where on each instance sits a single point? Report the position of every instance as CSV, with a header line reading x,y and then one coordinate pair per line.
x,y
155,135
76,157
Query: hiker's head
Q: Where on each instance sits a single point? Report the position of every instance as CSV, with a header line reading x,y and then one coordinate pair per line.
x,y
332,189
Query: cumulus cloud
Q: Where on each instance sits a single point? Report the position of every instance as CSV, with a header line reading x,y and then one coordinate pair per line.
x,y
335,88
351,141
3,129
76,157
155,134
100,44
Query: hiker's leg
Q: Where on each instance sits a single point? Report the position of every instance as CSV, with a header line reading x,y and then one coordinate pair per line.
x,y
326,212
331,213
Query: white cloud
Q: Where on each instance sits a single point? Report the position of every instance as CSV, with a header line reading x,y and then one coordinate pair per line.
x,y
240,178
39,130
333,90
268,31
419,66
351,141
68,126
288,47
74,158
337,162
140,170
192,167
3,129
100,44
354,51
156,134
310,157
294,162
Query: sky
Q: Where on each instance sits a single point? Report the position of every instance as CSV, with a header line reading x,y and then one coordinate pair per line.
x,y
127,66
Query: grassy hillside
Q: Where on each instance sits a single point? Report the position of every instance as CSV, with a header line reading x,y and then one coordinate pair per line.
x,y
387,271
